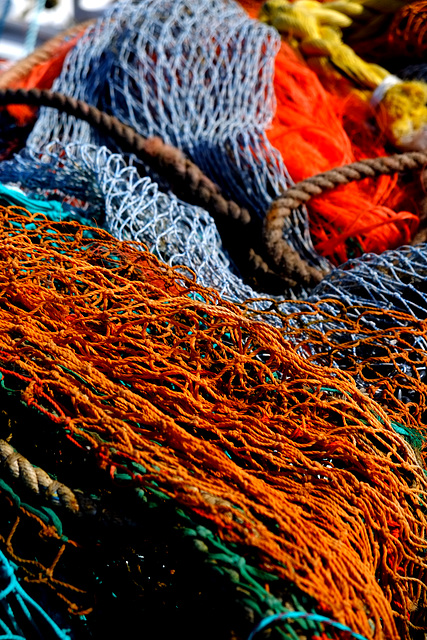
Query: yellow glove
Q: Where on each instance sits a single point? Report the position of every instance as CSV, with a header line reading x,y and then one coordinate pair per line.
x,y
315,29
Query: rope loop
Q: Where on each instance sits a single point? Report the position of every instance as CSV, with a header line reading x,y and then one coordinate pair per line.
x,y
269,261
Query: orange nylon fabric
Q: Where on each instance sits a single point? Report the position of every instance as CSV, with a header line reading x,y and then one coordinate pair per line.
x,y
164,381
320,124
309,129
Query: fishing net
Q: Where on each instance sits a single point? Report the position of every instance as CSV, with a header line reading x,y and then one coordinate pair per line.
x,y
367,318
318,127
136,561
193,467
139,78
200,76
96,185
393,280
148,62
163,389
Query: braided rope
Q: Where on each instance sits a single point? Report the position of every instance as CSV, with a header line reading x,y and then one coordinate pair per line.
x,y
40,482
188,182
277,247
58,494
276,263
184,177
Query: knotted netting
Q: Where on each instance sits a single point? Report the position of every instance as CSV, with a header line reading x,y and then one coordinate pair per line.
x,y
243,469
100,187
156,384
395,279
367,317
200,76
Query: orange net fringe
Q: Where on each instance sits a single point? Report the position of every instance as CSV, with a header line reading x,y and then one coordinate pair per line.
x,y
187,395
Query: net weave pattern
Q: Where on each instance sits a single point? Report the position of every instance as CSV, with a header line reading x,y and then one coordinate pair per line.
x,y
200,76
103,189
180,394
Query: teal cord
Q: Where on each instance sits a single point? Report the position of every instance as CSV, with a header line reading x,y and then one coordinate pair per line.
x,y
26,605
296,615
53,209
14,197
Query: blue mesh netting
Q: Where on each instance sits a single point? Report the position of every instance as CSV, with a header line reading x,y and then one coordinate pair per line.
x,y
414,72
200,76
396,279
197,74
100,187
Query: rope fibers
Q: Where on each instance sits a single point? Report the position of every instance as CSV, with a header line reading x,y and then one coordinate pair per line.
x,y
199,75
174,391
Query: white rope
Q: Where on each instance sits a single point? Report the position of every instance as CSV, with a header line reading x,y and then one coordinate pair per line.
x,y
383,87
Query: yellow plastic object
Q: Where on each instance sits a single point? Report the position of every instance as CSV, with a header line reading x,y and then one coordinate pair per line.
x,y
315,28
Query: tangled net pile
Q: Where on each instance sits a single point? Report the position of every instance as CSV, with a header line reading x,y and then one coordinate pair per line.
x,y
179,395
393,280
178,452
101,188
200,76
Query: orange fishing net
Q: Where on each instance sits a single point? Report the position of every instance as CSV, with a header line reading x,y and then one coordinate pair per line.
x,y
38,547
182,395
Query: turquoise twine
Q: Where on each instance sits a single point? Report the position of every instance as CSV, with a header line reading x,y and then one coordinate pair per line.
x,y
294,615
11,196
33,29
6,8
25,602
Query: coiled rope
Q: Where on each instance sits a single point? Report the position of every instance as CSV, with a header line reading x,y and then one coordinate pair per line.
x,y
265,256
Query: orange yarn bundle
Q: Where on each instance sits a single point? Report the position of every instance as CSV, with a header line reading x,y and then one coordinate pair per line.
x,y
317,129
182,394
308,131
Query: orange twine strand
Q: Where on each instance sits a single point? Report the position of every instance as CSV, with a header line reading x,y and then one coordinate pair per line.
x,y
169,384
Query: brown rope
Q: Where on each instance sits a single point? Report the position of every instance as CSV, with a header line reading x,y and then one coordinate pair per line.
x,y
273,265
58,495
43,53
277,248
190,184
184,177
